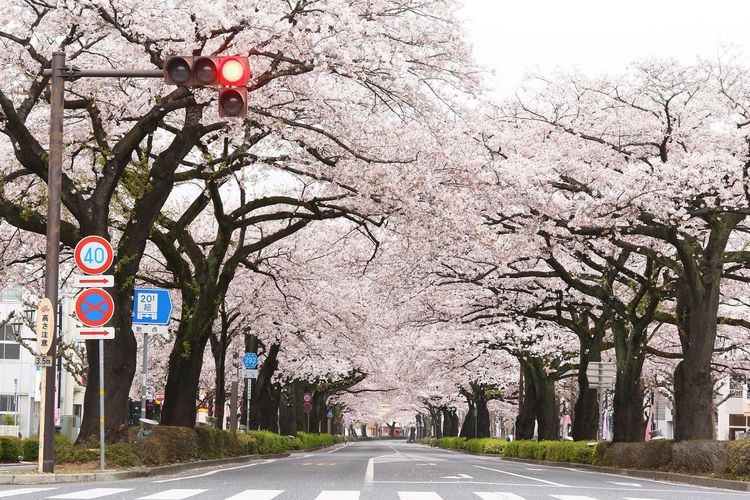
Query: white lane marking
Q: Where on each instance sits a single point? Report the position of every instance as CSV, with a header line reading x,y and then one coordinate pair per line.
x,y
175,494
632,485
256,495
458,476
93,493
339,448
638,498
338,495
572,497
216,471
519,475
23,491
533,468
497,495
419,495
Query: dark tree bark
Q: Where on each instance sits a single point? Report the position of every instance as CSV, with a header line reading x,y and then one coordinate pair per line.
x,y
547,409
450,422
264,403
586,413
526,419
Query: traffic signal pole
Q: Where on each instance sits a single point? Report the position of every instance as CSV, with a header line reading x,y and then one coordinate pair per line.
x,y
59,74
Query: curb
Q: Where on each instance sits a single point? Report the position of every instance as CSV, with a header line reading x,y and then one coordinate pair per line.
x,y
90,477
672,477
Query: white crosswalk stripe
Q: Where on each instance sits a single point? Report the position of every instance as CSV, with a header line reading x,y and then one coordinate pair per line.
x,y
93,493
497,495
256,495
174,494
338,495
572,497
419,495
22,491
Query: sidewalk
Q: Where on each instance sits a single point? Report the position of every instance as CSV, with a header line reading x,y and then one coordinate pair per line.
x,y
9,472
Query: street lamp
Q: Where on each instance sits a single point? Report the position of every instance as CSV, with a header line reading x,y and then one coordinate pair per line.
x,y
16,326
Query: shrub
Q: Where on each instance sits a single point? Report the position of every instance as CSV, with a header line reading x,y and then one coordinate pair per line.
x,y
651,455
700,456
122,454
66,452
167,444
486,445
456,443
511,449
9,419
315,440
269,442
248,444
739,458
10,449
216,443
30,449
569,451
295,443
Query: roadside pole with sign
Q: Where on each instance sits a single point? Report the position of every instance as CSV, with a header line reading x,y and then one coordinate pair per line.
x,y
250,360
95,306
600,376
45,325
307,407
152,309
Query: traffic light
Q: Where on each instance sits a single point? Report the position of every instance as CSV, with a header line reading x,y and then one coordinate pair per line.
x,y
229,73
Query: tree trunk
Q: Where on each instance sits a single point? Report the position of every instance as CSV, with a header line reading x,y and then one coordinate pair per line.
x,y
185,364
693,383
288,411
627,421
450,422
264,401
698,294
526,419
547,410
586,413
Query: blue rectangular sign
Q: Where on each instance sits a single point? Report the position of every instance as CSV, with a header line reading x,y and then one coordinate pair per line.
x,y
151,306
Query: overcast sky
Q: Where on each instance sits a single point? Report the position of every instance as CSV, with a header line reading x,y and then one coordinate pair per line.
x,y
598,36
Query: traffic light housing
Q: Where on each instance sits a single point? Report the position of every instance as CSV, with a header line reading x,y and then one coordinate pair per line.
x,y
229,73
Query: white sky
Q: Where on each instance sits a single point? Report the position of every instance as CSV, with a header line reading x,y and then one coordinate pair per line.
x,y
512,37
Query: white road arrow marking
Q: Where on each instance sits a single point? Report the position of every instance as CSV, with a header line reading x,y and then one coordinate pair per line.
x,y
632,485
458,476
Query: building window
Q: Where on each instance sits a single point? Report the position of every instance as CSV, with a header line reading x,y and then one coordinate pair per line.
x,y
9,348
736,385
7,403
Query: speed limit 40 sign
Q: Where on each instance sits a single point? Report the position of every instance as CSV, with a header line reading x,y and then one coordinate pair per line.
x,y
93,255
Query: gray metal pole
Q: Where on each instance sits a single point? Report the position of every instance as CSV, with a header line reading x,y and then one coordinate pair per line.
x,y
51,278
247,406
101,403
144,374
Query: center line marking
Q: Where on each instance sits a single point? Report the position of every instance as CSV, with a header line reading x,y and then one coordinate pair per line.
x,y
524,477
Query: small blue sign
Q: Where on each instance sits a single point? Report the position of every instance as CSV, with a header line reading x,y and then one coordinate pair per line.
x,y
151,306
330,412
250,360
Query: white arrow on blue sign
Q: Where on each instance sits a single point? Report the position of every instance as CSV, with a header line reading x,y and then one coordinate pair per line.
x,y
151,306
250,360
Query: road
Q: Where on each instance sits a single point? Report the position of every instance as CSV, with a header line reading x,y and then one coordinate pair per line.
x,y
378,470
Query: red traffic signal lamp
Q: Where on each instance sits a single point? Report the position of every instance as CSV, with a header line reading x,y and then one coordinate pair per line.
x,y
229,73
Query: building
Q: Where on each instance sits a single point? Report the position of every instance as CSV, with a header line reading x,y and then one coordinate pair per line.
x,y
733,410
20,378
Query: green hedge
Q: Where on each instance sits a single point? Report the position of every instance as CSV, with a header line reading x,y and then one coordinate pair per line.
x,y
30,449
309,441
270,443
10,449
455,443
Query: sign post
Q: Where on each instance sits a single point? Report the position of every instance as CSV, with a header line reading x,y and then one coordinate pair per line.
x,y
250,360
95,307
600,376
307,407
45,325
152,309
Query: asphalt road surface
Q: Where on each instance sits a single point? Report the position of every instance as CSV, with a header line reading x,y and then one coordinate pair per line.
x,y
378,470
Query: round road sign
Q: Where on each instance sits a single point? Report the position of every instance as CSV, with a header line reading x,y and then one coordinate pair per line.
x,y
94,307
94,255
307,407
307,397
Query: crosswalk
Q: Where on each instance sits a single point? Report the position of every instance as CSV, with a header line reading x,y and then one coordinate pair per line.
x,y
182,493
